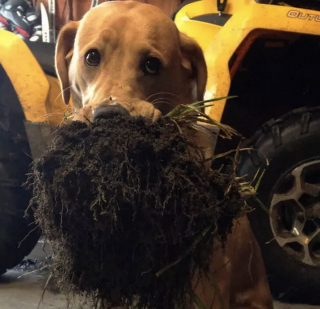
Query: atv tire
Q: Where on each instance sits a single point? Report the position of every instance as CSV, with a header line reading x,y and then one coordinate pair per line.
x,y
289,143
18,235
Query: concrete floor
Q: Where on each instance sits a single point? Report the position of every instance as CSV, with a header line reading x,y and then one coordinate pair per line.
x,y
21,291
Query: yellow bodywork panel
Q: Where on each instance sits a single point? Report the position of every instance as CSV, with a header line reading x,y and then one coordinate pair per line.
x,y
204,32
248,16
39,94
26,75
209,6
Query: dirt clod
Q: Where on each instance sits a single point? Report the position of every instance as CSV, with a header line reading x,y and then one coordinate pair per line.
x,y
120,201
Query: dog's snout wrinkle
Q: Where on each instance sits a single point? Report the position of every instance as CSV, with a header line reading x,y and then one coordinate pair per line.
x,y
109,111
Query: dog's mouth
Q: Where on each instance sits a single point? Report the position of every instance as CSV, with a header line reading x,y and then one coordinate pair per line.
x,y
92,111
109,111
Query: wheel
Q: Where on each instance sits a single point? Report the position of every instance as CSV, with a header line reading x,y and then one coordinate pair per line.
x,y
289,235
14,163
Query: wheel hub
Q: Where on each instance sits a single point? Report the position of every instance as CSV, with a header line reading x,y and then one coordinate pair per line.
x,y
295,213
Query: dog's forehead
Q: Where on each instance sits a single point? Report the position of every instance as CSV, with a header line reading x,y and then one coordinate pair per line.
x,y
130,18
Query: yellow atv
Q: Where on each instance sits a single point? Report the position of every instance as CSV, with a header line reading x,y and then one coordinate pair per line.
x,y
268,54
30,106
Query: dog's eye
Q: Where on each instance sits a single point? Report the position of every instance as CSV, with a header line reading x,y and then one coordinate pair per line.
x,y
92,58
152,66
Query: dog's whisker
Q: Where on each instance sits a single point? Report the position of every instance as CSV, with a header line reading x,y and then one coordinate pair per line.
x,y
174,102
60,94
162,93
163,102
164,98
46,116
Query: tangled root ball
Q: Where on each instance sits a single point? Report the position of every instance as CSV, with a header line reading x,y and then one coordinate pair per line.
x,y
131,214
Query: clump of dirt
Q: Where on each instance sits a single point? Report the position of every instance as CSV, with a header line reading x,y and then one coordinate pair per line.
x,y
130,213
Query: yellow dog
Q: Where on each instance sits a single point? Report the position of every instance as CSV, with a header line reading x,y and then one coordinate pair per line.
x,y
128,58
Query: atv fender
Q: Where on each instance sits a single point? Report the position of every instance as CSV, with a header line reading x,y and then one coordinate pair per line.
x,y
235,37
25,74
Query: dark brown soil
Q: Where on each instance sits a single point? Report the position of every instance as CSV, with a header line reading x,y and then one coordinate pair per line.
x,y
122,199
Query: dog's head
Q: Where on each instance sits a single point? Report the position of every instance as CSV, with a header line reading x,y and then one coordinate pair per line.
x,y
128,58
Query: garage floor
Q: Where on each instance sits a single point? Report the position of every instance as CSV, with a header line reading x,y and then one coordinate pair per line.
x,y
21,291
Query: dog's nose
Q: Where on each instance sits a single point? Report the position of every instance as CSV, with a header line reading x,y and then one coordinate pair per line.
x,y
109,111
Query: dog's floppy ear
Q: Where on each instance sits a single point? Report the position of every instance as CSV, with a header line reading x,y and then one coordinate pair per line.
x,y
193,61
64,51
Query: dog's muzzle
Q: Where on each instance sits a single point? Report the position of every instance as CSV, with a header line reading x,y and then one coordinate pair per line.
x,y
109,111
